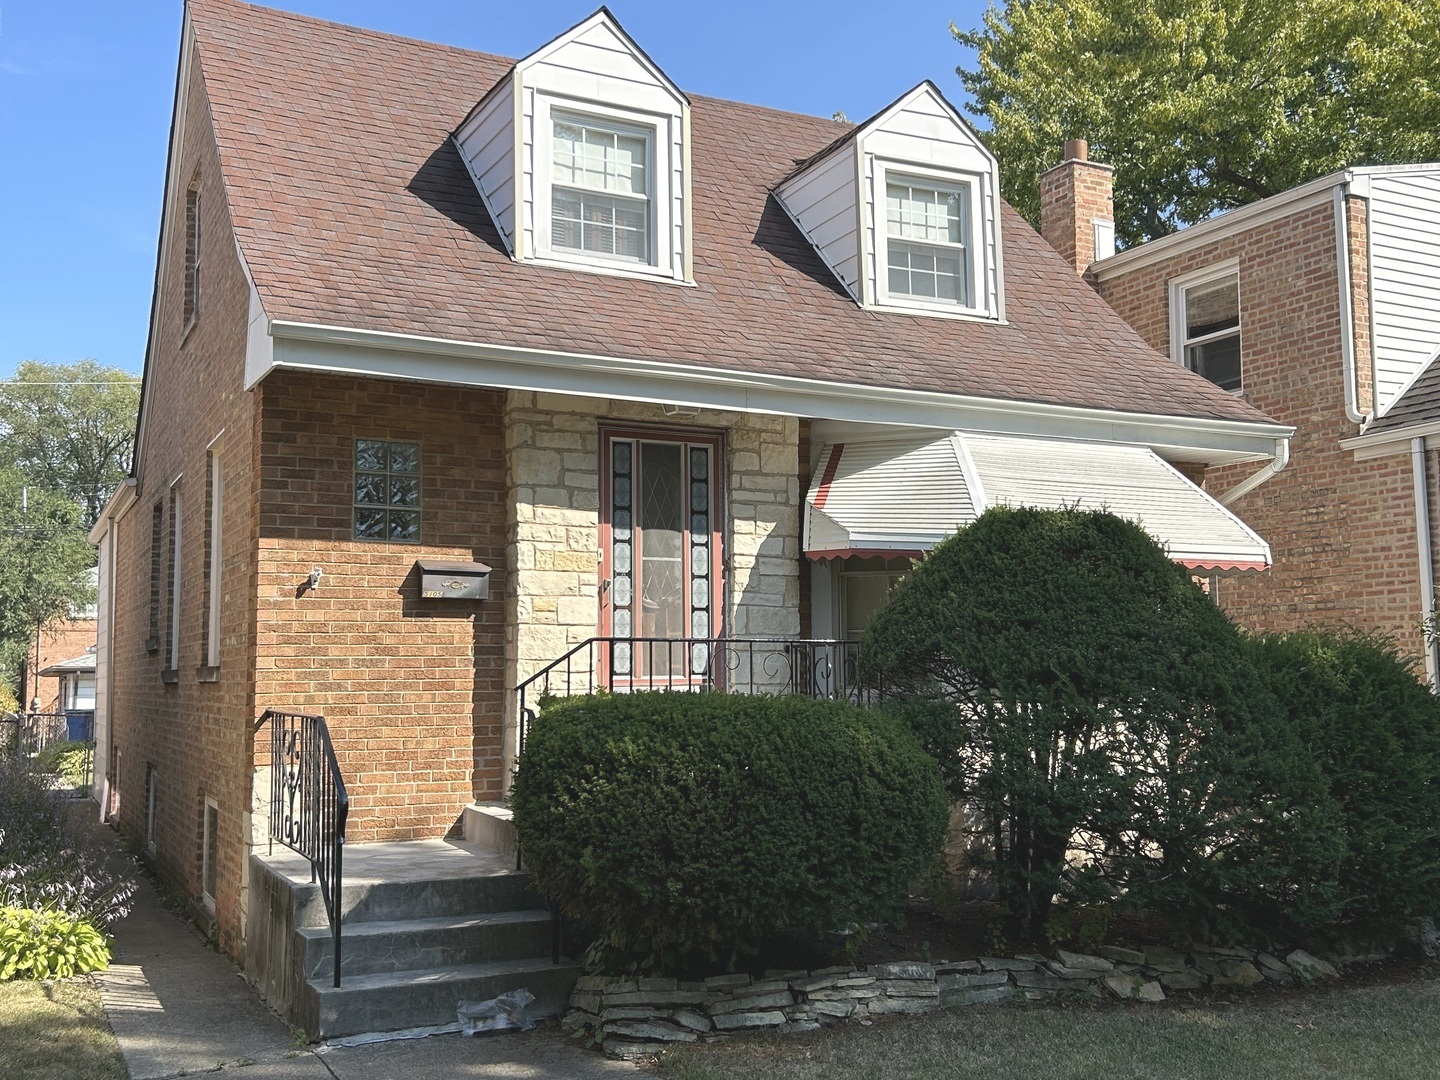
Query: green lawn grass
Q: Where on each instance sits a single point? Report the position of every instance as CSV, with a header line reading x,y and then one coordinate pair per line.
x,y
1376,1032
56,1031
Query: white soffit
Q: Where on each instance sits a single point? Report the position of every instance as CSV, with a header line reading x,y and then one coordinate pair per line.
x,y
902,497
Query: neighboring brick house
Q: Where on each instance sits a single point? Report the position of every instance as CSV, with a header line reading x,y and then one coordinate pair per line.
x,y
681,372
1320,306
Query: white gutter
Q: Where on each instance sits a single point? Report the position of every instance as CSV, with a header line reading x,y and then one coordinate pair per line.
x,y
1427,565
1253,481
1350,376
403,356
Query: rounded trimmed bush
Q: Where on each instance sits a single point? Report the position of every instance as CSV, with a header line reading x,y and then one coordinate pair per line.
x,y
684,824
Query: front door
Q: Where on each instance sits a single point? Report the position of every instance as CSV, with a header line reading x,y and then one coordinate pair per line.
x,y
662,588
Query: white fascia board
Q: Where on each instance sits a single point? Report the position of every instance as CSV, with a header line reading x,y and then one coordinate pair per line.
x,y
114,509
381,354
1395,441
259,345
1313,193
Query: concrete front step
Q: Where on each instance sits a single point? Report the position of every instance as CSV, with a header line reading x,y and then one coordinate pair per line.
x,y
491,825
394,1001
385,901
402,944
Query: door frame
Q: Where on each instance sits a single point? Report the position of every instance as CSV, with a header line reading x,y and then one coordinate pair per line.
x,y
714,440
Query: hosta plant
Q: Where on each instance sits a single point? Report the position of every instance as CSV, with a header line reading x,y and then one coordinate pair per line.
x,y
48,945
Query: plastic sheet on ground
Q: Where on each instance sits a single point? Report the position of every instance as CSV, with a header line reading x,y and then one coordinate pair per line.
x,y
504,1013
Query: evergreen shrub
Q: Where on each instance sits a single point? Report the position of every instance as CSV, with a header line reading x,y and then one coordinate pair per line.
x,y
689,827
1107,720
1356,702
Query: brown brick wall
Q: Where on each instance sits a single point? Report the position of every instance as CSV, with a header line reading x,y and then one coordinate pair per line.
x,y
1072,196
412,689
62,640
197,734
1342,532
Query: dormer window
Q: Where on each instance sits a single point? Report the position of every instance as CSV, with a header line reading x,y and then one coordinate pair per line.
x,y
580,156
905,211
927,227
600,190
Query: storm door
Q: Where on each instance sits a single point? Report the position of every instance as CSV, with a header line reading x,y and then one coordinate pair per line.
x,y
662,589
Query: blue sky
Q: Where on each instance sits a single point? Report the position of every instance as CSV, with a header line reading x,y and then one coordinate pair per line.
x,y
86,88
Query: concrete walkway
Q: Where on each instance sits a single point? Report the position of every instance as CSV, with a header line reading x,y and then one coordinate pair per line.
x,y
179,1008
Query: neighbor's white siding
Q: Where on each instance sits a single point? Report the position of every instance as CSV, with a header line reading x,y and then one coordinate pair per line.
x,y
822,200
1405,276
487,145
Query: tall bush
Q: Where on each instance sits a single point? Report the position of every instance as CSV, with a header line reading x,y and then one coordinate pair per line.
x,y
1375,729
1106,717
689,826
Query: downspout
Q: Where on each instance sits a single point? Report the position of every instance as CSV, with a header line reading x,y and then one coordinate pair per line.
x,y
1350,376
1253,481
1427,566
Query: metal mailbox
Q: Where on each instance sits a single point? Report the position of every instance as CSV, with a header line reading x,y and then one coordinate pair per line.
x,y
453,580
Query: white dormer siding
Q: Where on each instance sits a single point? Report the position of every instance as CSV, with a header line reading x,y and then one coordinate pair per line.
x,y
906,213
593,79
1404,230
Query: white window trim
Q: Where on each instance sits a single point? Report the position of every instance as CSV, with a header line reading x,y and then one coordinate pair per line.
x,y
212,614
884,172
205,897
1178,287
176,564
654,129
152,799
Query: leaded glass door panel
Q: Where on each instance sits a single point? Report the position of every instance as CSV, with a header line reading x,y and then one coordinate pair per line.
x,y
662,594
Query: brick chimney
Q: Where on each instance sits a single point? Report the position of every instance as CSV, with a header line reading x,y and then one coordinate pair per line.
x,y
1077,207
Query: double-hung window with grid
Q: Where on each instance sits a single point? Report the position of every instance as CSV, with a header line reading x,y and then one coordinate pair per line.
x,y
387,490
926,230
600,190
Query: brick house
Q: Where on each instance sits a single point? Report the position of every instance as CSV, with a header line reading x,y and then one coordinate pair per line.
x,y
465,371
1320,306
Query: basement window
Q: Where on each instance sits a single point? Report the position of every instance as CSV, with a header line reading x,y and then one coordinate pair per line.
x,y
210,849
1205,328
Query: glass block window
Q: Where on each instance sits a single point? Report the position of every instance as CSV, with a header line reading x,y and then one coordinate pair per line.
x,y
600,193
926,227
387,490
1210,324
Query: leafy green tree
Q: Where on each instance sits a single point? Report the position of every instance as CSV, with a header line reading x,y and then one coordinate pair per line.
x,y
1084,694
70,428
1204,105
44,563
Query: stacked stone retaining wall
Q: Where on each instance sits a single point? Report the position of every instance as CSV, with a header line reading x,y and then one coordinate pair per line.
x,y
639,1017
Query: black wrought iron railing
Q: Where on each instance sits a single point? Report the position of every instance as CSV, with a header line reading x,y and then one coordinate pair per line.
x,y
29,734
813,667
309,804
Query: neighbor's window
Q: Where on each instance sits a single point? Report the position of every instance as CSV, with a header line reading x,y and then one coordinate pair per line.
x,y
1208,329
600,190
926,227
172,633
157,524
387,490
215,515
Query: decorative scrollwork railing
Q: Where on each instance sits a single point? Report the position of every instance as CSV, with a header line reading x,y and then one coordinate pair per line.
x,y
309,804
812,667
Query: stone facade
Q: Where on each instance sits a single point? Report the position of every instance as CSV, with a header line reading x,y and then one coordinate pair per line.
x,y
1342,532
552,448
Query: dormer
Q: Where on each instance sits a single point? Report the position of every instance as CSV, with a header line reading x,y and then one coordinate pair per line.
x,y
905,210
580,154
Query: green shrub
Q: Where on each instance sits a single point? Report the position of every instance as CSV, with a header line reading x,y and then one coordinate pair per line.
x,y
48,945
1375,729
692,826
1105,716
50,858
70,761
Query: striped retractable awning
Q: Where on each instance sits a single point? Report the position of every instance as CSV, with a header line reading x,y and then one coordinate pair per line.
x,y
902,495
